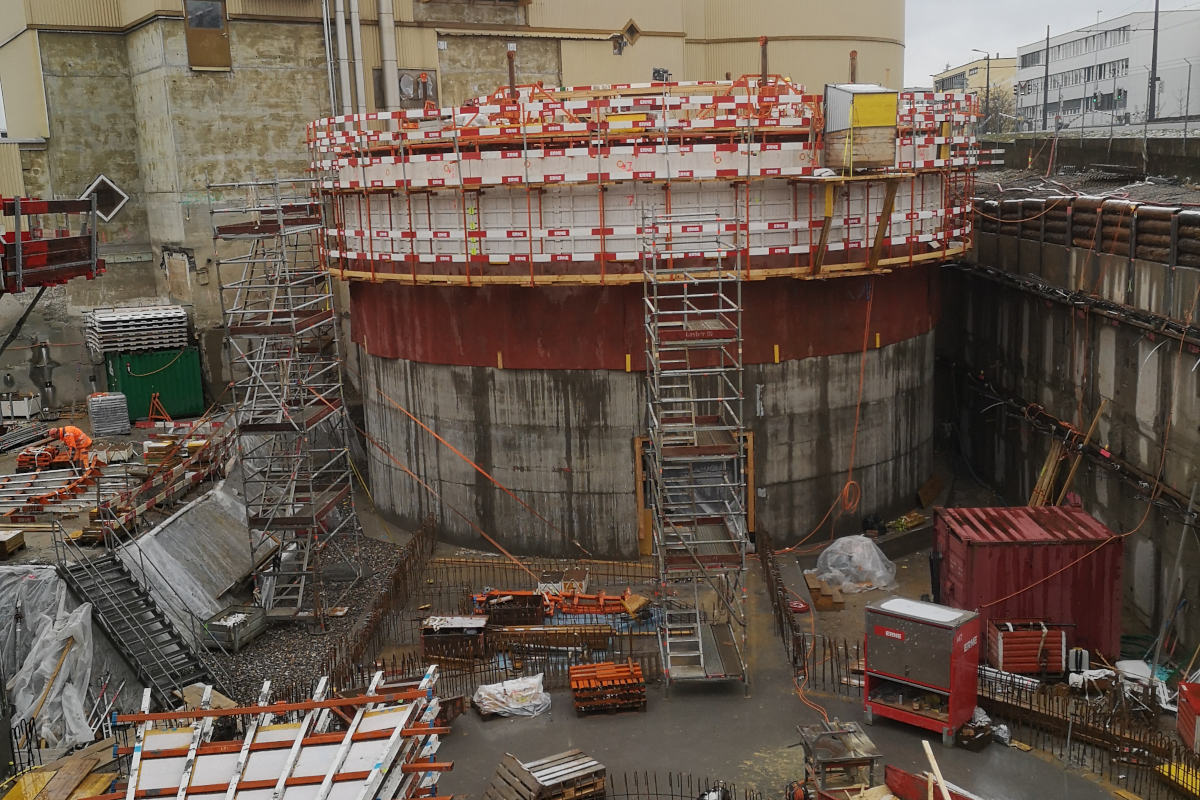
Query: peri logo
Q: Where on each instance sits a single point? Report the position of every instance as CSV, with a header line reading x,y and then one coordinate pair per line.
x,y
974,640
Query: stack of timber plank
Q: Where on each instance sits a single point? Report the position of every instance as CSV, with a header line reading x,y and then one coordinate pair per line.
x,y
571,775
824,596
608,687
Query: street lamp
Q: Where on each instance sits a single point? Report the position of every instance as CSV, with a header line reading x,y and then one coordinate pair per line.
x,y
987,96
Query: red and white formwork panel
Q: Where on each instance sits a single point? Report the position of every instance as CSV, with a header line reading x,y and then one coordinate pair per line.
x,y
384,747
562,179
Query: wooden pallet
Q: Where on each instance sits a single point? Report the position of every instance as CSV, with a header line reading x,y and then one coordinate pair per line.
x,y
571,775
607,686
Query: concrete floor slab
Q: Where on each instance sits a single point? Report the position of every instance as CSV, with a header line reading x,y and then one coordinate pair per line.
x,y
714,731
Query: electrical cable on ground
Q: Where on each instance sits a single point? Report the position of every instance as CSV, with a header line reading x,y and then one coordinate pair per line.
x,y
799,684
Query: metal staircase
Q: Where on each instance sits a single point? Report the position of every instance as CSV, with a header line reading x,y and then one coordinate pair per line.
x,y
696,459
143,632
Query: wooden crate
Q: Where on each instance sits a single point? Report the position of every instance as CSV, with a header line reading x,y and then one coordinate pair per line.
x,y
11,541
607,686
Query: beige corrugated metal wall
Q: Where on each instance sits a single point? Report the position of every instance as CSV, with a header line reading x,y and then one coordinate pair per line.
x,y
610,15
24,99
12,182
76,13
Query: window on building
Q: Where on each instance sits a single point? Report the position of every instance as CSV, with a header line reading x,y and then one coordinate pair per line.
x,y
1033,59
207,34
974,71
413,91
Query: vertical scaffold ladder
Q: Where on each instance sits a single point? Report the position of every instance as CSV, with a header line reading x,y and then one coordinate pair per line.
x,y
696,458
285,359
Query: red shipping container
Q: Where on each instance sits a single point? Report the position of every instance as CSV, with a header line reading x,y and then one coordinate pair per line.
x,y
1185,719
1027,647
988,554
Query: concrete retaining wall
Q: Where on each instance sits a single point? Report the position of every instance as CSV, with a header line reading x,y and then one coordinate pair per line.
x,y
1066,360
563,441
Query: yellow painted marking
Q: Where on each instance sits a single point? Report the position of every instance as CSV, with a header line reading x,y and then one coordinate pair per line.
x,y
876,340
776,354
499,360
628,362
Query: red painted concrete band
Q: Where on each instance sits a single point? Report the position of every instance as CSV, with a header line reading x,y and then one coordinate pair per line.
x,y
596,327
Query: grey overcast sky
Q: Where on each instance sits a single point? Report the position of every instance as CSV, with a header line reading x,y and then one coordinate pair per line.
x,y
941,31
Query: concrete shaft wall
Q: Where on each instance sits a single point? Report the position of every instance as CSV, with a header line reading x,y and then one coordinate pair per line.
x,y
563,441
1067,362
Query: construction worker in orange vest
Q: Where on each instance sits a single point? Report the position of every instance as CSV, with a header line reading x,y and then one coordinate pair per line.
x,y
77,441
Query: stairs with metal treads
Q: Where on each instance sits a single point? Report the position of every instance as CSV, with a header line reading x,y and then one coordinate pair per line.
x,y
139,628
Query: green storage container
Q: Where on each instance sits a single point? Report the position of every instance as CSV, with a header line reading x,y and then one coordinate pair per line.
x,y
174,374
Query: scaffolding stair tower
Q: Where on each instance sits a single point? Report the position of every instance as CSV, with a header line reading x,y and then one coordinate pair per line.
x,y
696,455
285,359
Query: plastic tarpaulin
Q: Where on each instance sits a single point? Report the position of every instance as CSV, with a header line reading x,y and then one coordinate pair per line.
x,y
51,683
520,697
30,599
855,564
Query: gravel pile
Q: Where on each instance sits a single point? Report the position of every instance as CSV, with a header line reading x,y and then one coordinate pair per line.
x,y
291,653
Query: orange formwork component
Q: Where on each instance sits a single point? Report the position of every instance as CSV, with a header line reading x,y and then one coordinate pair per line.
x,y
608,686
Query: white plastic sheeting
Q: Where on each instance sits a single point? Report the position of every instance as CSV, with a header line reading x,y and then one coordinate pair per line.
x,y
35,607
520,697
40,687
855,564
30,599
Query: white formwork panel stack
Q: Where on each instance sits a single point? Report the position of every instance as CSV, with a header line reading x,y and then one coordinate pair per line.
x,y
124,330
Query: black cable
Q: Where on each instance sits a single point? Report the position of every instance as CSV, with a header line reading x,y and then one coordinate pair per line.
x,y
12,335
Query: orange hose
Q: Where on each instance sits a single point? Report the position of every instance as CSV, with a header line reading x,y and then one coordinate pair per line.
x,y
851,493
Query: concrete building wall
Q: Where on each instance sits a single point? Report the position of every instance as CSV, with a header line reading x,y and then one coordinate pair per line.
x,y
563,441
131,108
471,66
973,77
1067,363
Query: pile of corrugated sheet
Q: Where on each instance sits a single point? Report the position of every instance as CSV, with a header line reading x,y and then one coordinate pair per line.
x,y
124,330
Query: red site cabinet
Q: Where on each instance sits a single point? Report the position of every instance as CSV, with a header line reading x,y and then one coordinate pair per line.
x,y
984,555
1185,720
921,664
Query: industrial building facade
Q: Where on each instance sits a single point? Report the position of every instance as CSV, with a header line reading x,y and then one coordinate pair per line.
x,y
162,103
1099,75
